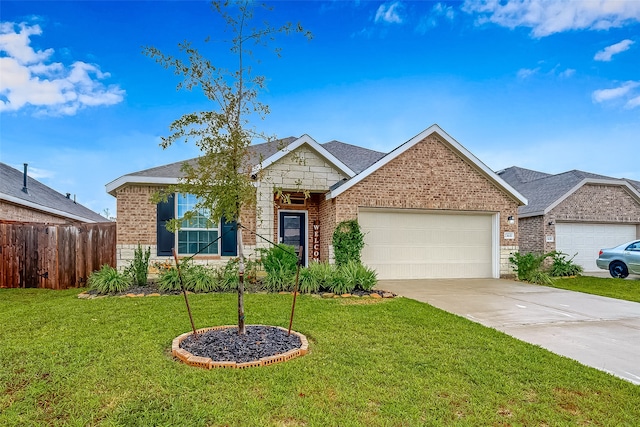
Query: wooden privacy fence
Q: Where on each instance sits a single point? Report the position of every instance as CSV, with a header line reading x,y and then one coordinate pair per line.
x,y
53,256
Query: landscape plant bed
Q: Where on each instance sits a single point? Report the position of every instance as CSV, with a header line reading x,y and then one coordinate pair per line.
x,y
152,290
223,347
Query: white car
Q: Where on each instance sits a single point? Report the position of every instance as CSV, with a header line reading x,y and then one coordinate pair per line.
x,y
621,260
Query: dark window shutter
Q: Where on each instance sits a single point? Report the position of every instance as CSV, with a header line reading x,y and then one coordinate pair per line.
x,y
229,246
166,240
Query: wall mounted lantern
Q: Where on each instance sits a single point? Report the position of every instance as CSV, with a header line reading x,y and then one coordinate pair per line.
x,y
511,220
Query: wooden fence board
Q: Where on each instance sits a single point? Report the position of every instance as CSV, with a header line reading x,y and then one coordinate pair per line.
x,y
53,256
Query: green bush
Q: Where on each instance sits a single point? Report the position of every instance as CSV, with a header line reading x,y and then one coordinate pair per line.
x,y
540,277
169,280
278,280
201,279
348,242
317,276
280,264
526,265
340,284
108,280
139,267
562,267
359,276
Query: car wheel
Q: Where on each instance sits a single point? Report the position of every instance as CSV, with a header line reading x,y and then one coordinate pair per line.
x,y
617,269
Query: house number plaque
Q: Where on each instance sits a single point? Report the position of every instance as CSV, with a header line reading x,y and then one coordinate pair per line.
x,y
315,254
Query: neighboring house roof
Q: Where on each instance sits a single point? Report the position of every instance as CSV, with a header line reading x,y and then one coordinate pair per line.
x,y
546,191
40,197
451,143
350,159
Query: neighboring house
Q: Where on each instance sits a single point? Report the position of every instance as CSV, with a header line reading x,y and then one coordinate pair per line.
x,y
429,208
575,212
22,198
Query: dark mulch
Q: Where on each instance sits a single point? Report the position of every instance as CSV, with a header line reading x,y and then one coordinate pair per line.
x,y
225,345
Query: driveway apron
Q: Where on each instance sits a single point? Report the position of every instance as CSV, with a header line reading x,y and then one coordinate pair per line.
x,y
600,332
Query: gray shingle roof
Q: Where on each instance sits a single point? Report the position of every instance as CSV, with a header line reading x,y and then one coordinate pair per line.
x,y
543,190
356,158
45,198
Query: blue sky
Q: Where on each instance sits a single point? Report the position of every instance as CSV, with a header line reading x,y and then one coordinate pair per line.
x,y
549,85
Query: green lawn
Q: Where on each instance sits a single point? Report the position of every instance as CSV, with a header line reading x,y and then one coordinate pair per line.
x,y
66,361
607,287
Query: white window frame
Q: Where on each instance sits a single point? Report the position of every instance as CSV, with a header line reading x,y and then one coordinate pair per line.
x,y
177,234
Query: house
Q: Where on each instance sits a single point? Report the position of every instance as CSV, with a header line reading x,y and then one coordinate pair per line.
x,y
22,198
429,208
575,212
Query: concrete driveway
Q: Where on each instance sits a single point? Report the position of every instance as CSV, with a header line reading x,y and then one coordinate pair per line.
x,y
597,331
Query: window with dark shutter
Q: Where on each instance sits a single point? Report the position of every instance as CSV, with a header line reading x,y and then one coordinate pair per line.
x,y
166,239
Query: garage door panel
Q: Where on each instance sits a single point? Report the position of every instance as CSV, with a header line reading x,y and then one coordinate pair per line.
x,y
586,240
413,245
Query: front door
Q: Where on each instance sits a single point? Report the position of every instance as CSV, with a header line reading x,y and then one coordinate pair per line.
x,y
293,231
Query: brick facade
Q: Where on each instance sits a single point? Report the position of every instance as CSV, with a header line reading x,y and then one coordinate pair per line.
x,y
137,216
591,203
431,176
11,212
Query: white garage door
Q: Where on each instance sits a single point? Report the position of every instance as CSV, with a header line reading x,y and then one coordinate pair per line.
x,y
587,239
418,245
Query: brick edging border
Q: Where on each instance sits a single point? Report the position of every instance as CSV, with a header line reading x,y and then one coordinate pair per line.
x,y
207,363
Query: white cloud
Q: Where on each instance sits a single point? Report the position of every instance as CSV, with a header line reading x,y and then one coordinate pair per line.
x,y
606,53
438,12
546,17
29,78
524,73
633,102
621,92
389,13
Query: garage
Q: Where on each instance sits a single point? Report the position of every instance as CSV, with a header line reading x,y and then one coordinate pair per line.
x,y
587,239
418,244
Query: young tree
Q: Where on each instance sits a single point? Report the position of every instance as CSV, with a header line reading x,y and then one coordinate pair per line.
x,y
221,176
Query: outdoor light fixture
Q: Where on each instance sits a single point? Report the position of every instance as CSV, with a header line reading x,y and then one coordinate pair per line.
x,y
551,223
511,220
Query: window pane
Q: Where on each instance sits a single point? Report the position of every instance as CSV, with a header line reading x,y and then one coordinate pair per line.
x,y
190,242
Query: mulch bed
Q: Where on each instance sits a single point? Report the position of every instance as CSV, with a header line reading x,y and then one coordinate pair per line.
x,y
225,345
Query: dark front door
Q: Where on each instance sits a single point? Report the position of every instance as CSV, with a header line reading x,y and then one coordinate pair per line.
x,y
293,231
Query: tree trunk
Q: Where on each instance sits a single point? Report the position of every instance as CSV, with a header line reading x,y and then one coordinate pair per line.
x,y
241,328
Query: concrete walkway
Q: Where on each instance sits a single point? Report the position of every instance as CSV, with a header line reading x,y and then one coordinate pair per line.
x,y
597,331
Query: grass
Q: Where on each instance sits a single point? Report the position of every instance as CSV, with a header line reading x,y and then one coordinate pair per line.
x,y
106,362
607,287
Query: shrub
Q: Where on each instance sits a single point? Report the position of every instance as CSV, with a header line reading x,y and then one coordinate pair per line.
x,y
227,276
108,280
348,242
316,277
169,280
277,280
200,279
540,277
340,284
280,263
526,265
359,276
561,266
139,267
